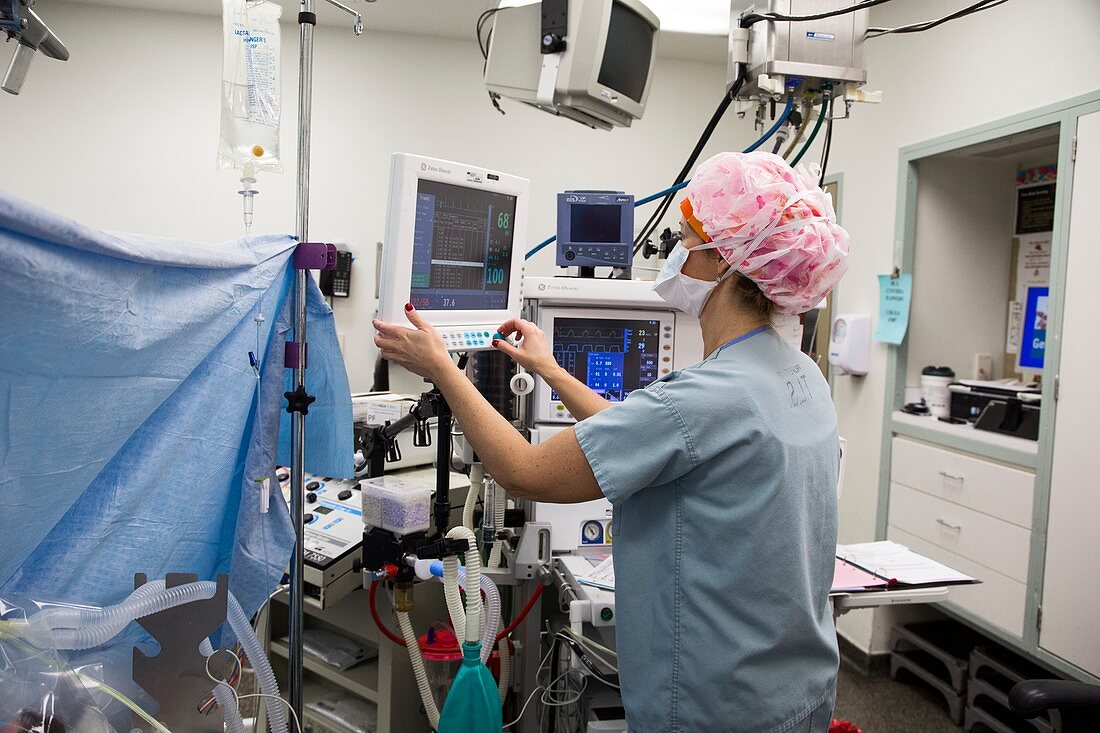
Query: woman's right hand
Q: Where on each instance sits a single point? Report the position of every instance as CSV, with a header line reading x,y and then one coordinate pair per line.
x,y
532,352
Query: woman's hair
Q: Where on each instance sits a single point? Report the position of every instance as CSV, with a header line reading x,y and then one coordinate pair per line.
x,y
748,294
751,297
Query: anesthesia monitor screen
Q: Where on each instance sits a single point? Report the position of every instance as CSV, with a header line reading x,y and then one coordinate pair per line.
x,y
613,356
462,248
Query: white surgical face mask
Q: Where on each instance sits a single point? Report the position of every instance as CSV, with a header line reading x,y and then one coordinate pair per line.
x,y
681,291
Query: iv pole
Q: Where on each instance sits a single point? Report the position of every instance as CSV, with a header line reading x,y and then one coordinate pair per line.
x,y
307,20
299,400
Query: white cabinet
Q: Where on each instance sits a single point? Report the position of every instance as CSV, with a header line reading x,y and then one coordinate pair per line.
x,y
1071,577
1022,515
971,514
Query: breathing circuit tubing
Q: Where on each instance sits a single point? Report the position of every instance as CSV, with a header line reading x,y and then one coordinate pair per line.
x,y
401,642
673,189
84,628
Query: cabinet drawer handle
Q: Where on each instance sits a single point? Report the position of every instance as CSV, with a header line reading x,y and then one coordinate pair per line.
x,y
952,476
945,523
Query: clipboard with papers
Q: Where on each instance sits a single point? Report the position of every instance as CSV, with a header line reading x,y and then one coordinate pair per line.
x,y
892,564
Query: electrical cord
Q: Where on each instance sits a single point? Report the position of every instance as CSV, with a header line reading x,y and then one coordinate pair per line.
x,y
681,183
704,138
483,44
547,689
930,24
754,18
825,150
481,20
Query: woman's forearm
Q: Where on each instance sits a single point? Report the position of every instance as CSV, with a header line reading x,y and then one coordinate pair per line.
x,y
581,401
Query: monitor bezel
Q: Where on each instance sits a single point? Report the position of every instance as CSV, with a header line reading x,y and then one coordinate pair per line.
x,y
566,201
395,282
605,95
600,90
545,410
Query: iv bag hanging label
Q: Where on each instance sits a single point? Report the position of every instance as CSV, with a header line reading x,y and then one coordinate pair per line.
x,y
251,104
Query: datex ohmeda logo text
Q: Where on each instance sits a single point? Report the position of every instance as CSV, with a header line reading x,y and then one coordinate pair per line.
x,y
555,286
434,169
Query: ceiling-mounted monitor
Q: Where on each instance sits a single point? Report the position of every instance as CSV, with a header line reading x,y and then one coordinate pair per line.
x,y
599,70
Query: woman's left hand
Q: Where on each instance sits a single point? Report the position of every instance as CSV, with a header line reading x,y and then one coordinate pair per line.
x,y
421,351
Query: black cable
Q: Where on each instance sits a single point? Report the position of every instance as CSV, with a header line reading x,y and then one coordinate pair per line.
x,y
481,19
753,18
484,46
930,24
704,138
826,148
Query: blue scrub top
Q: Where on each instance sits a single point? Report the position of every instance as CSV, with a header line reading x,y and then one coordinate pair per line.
x,y
723,479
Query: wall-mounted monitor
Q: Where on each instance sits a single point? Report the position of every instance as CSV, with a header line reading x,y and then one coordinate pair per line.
x,y
455,237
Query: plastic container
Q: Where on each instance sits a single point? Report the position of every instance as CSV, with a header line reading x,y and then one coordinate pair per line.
x,y
933,387
396,505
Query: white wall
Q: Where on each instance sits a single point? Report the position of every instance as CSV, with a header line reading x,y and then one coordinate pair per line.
x,y
124,135
963,246
1015,57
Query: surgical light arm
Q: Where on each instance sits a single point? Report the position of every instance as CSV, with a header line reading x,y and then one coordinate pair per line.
x,y
21,23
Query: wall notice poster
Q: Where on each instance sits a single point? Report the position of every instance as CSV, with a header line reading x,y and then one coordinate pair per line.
x,y
1015,326
895,294
1035,209
1032,263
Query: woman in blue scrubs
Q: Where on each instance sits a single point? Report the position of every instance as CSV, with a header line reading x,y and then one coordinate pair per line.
x,y
722,476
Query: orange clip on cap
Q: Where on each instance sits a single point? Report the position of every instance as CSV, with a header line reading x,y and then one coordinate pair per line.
x,y
689,217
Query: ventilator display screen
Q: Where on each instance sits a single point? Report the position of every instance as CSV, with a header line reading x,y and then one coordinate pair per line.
x,y
613,356
462,247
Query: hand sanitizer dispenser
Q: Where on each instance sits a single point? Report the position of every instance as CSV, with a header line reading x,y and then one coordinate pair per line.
x,y
850,346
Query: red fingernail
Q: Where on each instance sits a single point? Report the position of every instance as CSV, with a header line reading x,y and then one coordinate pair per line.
x,y
495,342
408,306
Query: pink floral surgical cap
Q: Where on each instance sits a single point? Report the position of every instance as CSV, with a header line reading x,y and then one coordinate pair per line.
x,y
773,224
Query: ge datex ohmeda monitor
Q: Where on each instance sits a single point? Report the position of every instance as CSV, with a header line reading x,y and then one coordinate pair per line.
x,y
455,235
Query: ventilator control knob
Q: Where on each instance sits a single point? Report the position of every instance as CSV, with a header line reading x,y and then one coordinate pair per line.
x,y
311,497
345,494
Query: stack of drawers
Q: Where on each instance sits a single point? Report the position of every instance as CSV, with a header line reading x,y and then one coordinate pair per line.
x,y
971,514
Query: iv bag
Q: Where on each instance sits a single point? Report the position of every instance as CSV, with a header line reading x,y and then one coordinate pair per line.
x,y
250,86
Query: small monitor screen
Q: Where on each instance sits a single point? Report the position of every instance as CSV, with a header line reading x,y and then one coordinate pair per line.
x,y
1034,341
462,248
595,223
627,53
613,356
